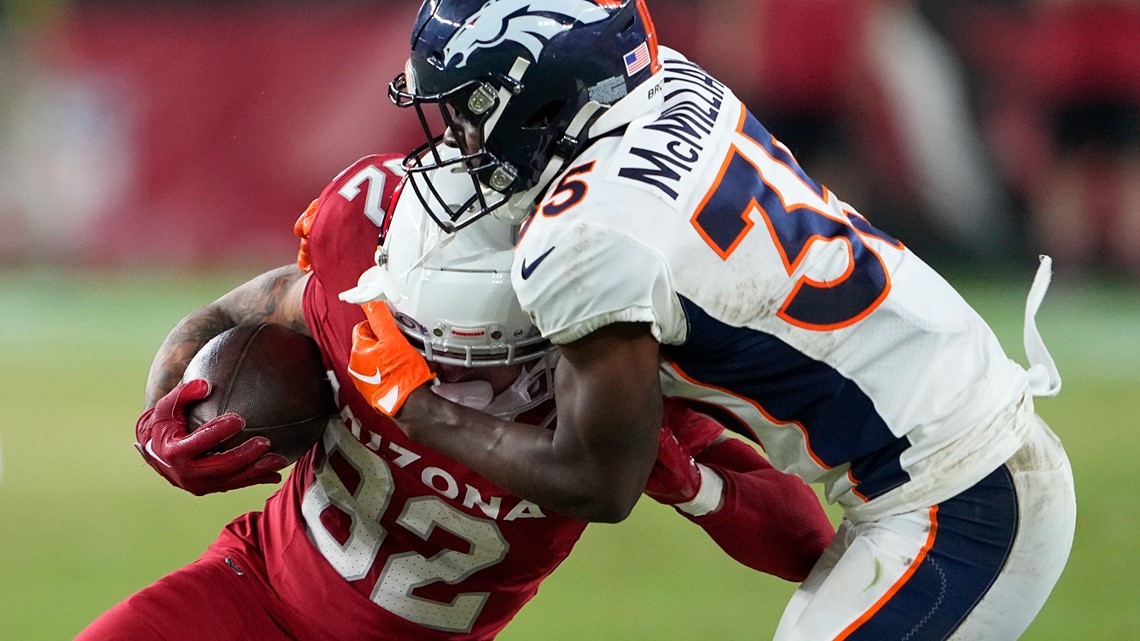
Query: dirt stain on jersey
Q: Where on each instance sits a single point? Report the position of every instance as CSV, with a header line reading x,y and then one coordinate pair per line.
x,y
878,575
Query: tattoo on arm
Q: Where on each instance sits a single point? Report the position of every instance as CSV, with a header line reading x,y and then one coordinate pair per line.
x,y
275,296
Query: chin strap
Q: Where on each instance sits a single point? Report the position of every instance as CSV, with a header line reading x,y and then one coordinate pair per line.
x,y
518,70
375,284
522,204
591,121
646,98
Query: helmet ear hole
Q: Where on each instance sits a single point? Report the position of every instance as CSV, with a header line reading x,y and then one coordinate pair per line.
x,y
546,114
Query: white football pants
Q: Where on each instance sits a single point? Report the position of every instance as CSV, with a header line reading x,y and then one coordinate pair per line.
x,y
978,566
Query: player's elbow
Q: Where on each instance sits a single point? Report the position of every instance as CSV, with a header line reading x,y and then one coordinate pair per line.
x,y
605,509
801,558
605,503
597,502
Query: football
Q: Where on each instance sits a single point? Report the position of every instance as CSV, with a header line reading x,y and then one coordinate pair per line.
x,y
271,376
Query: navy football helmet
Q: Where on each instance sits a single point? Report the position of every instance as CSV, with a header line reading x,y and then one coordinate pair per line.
x,y
521,87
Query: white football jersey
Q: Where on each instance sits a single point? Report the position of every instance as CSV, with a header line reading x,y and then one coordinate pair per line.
x,y
779,308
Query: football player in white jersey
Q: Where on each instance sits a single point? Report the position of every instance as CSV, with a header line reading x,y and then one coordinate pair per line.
x,y
673,246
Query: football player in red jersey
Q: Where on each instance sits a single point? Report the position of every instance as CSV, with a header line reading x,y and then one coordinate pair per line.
x,y
373,536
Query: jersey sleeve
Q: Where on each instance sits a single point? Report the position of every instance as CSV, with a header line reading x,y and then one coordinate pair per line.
x,y
574,279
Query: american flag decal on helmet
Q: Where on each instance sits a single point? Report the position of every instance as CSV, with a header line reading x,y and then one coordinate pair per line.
x,y
637,59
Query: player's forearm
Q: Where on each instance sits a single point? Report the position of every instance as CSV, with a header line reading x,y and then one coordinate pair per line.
x,y
180,346
274,296
543,466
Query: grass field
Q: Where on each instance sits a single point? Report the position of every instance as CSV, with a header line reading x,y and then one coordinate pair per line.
x,y
83,522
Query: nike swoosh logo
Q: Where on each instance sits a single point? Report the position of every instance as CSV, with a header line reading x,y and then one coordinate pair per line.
x,y
150,450
527,270
370,380
389,400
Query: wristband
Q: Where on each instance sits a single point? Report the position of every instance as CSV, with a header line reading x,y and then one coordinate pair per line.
x,y
708,496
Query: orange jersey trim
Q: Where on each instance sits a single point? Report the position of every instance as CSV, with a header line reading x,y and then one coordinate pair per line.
x,y
759,408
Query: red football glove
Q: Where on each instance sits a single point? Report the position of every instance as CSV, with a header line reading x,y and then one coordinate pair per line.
x,y
676,479
185,459
694,431
384,366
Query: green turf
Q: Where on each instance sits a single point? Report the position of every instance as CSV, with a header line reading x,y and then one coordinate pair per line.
x,y
83,522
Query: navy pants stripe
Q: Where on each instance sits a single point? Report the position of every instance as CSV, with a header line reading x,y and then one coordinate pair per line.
x,y
972,537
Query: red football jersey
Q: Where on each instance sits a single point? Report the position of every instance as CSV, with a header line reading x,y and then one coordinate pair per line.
x,y
374,536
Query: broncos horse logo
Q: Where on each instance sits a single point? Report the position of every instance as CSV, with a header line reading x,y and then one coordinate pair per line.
x,y
531,23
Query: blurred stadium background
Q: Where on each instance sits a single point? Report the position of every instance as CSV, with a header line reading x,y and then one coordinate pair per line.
x,y
154,154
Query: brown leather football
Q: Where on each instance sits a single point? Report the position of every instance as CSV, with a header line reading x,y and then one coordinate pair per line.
x,y
271,376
